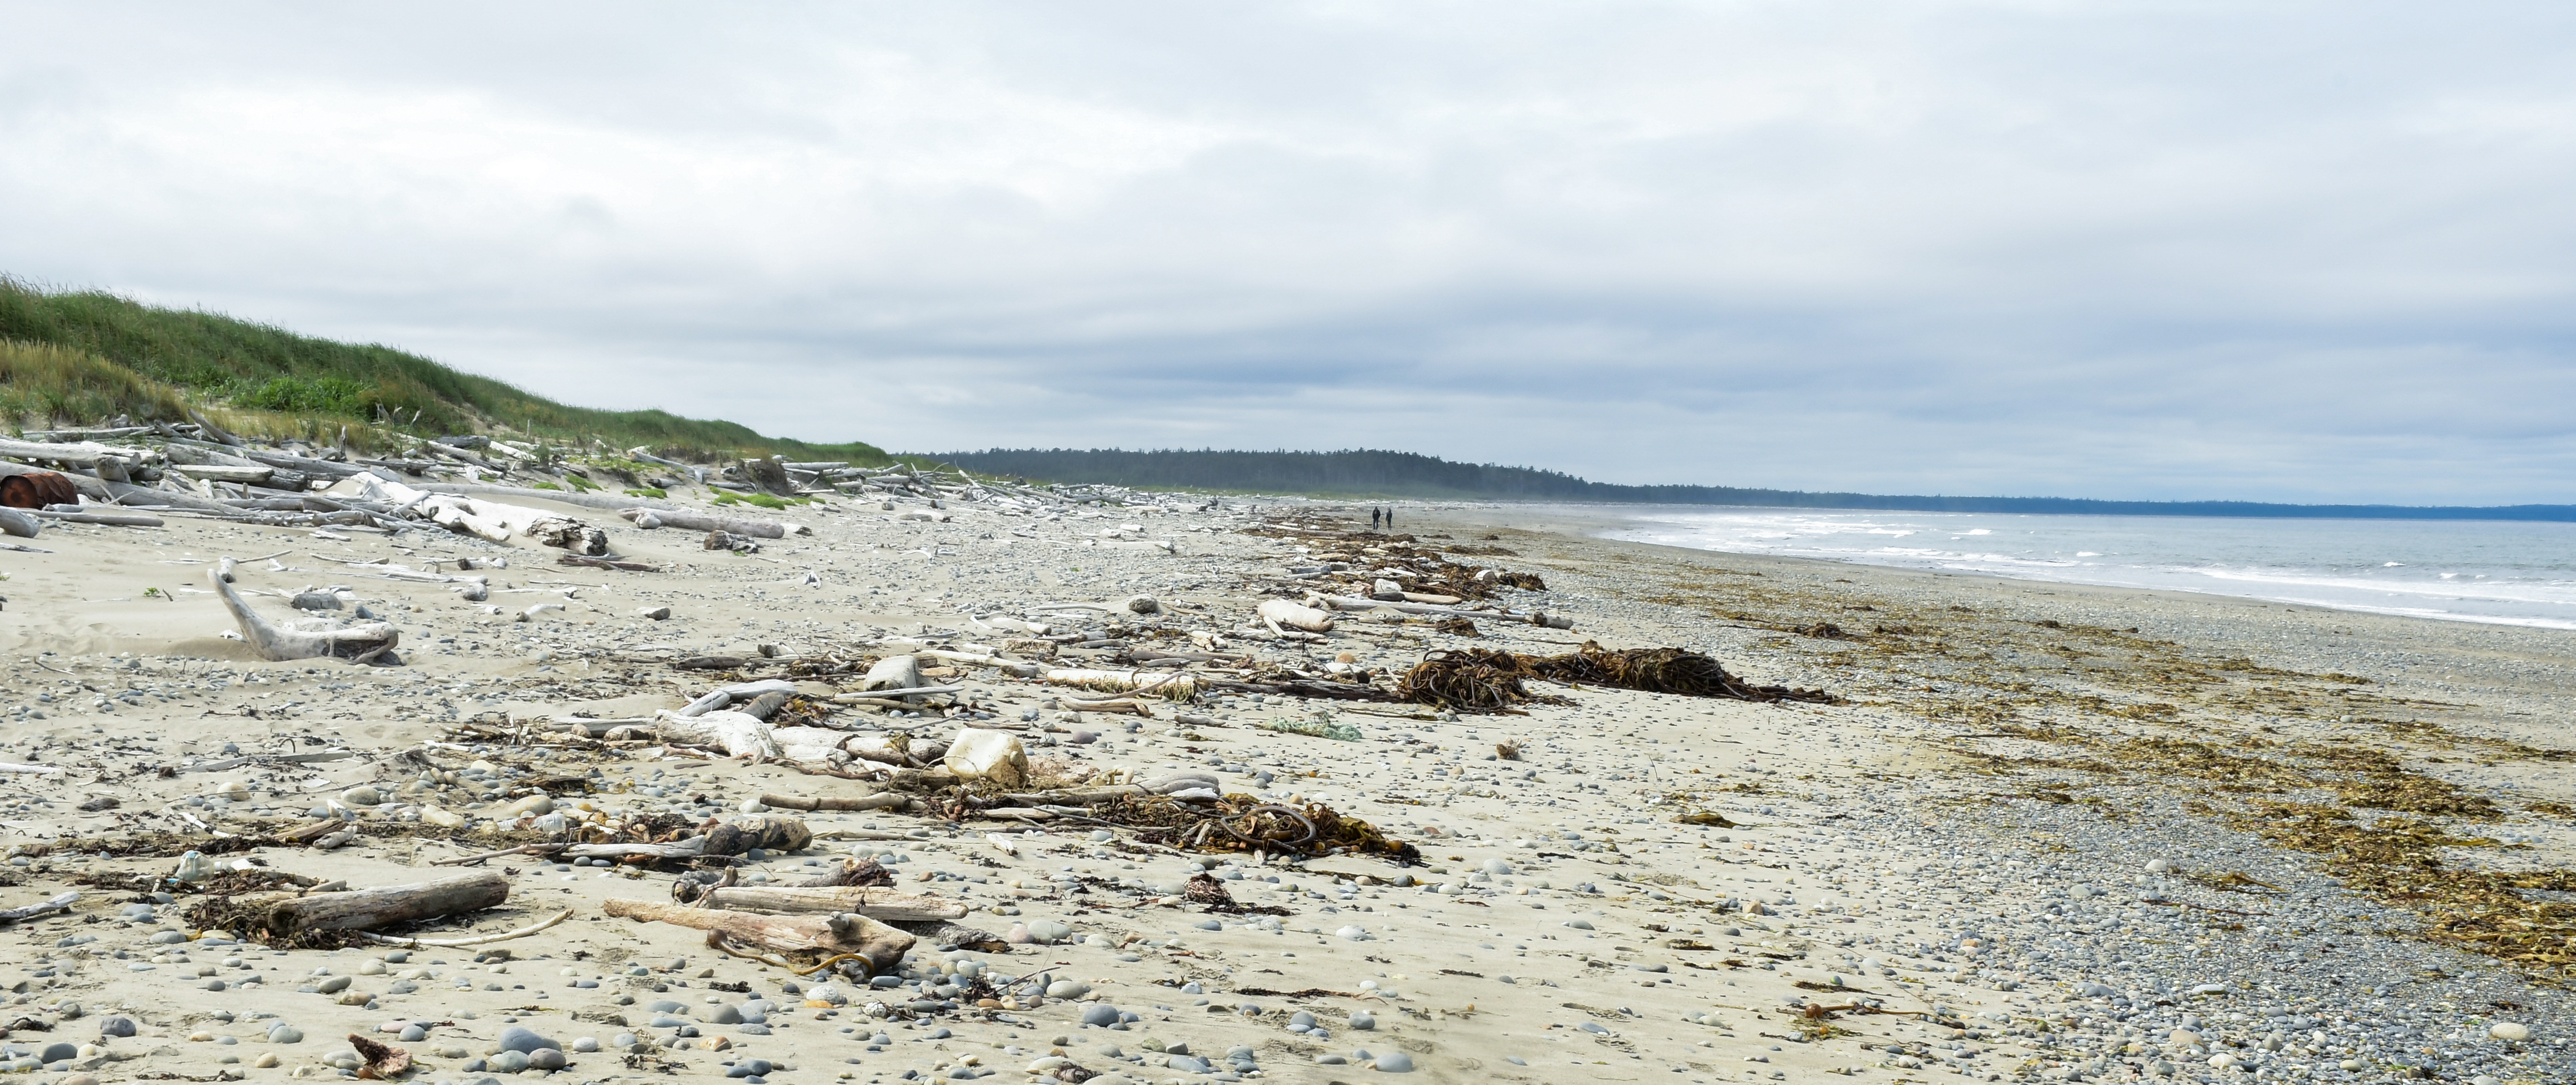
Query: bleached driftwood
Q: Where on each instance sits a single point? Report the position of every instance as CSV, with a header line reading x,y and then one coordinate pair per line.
x,y
1172,685
1126,705
877,801
807,939
83,454
1279,612
47,907
738,735
211,472
111,519
361,643
699,521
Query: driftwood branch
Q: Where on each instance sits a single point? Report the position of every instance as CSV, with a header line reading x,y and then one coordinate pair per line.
x,y
477,940
811,940
31,911
879,904
357,643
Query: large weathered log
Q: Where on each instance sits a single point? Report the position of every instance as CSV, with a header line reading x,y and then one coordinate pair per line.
x,y
360,643
879,904
84,454
291,916
803,940
611,502
223,472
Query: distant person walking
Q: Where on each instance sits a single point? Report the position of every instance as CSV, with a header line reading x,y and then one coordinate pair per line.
x,y
1390,519
1373,518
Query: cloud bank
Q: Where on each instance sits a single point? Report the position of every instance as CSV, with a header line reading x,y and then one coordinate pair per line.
x,y
2298,252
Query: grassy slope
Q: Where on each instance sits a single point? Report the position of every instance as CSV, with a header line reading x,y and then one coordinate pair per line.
x,y
75,357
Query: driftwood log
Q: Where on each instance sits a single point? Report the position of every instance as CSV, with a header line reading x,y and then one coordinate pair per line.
x,y
879,904
47,907
699,521
291,917
360,643
804,941
878,801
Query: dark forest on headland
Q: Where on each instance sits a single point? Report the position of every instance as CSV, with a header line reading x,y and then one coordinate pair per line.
x,y
1372,473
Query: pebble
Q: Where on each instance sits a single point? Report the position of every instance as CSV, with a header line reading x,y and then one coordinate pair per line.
x,y
285,1034
1100,1014
1394,1062
1362,1020
516,1038
116,1026
2511,1031
1067,990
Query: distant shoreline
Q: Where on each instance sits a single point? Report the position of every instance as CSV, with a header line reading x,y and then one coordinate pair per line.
x,y
1377,475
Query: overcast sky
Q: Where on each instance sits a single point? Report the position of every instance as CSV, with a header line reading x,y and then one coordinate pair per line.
x,y
2283,251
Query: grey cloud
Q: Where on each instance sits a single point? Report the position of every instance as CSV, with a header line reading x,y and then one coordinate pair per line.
x,y
2287,252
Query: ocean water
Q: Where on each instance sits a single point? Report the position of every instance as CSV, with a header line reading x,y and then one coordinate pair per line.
x,y
2502,572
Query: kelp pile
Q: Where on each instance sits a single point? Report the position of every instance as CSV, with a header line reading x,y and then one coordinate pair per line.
x,y
1663,670
1470,680
1242,823
1484,680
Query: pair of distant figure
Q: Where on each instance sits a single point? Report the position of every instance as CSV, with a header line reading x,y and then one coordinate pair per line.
x,y
1381,519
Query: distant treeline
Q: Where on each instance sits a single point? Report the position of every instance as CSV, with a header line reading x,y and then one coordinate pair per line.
x,y
1363,473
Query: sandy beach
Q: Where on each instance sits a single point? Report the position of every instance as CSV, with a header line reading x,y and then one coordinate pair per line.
x,y
2048,832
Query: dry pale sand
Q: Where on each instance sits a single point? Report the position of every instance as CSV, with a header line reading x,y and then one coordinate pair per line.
x,y
1992,894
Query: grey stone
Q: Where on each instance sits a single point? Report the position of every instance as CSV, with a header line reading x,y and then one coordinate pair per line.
x,y
522,1040
1100,1013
